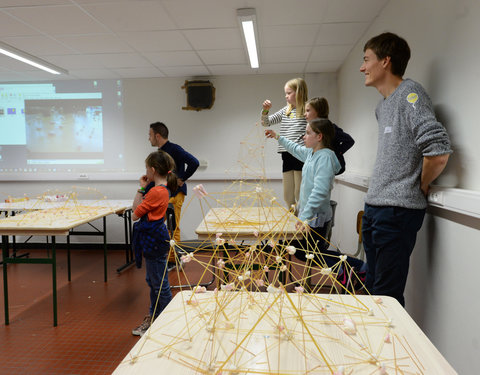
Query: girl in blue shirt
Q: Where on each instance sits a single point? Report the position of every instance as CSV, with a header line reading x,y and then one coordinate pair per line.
x,y
318,173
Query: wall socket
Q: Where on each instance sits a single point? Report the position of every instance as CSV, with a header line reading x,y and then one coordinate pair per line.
x,y
436,197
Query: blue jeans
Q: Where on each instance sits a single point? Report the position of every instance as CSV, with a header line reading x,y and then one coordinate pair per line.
x,y
157,280
389,235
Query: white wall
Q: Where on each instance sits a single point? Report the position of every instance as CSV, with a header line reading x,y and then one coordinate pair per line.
x,y
441,292
213,135
221,136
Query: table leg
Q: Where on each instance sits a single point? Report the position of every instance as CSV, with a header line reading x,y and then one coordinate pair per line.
x,y
14,242
16,260
105,247
5,278
54,281
125,228
69,268
129,258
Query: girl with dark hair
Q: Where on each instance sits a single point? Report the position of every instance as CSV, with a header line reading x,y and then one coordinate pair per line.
x,y
342,142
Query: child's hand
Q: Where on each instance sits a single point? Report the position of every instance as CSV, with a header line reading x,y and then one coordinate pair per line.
x,y
143,181
301,227
270,134
267,104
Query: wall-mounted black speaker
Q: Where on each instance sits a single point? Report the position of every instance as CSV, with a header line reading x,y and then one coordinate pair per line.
x,y
200,95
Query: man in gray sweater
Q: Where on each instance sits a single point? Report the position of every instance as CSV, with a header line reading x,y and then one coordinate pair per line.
x,y
413,149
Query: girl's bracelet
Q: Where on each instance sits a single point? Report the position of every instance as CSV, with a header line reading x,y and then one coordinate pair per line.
x,y
264,111
141,190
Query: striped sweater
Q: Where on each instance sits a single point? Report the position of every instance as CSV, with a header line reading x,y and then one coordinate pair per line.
x,y
291,127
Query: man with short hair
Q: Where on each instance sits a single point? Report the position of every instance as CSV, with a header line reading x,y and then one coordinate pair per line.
x,y
413,149
186,165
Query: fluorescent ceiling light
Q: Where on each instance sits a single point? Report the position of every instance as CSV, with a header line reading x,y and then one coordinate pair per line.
x,y
30,59
247,19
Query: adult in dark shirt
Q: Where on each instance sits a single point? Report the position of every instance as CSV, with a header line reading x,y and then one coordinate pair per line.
x,y
186,165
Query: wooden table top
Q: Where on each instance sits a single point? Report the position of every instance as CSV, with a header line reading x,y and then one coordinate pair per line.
x,y
40,204
247,222
58,218
240,332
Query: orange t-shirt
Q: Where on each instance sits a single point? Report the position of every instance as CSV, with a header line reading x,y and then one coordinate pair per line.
x,y
154,203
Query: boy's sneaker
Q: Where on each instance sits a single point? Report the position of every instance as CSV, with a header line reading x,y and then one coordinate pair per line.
x,y
142,328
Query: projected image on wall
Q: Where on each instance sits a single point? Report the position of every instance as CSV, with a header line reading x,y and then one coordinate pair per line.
x,y
64,126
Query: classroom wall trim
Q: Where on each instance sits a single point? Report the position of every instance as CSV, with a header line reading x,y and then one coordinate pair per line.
x,y
466,202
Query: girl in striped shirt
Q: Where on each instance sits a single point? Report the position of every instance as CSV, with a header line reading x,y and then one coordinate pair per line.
x,y
292,127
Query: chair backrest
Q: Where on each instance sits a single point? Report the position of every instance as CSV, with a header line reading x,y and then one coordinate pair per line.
x,y
170,219
359,226
360,253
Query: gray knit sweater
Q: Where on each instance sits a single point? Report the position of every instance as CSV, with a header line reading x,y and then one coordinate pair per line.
x,y
407,131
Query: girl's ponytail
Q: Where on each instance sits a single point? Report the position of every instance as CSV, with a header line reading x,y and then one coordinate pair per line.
x,y
172,182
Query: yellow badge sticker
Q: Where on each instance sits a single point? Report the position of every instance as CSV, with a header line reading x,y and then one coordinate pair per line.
x,y
412,98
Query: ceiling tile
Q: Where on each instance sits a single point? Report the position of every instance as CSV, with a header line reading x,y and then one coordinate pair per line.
x,y
203,14
281,68
326,66
138,72
279,55
353,10
101,43
102,1
12,27
123,38
341,33
224,56
298,12
122,60
21,3
151,41
178,58
93,74
131,16
214,38
329,53
37,45
220,70
285,36
185,71
76,62
58,20
105,60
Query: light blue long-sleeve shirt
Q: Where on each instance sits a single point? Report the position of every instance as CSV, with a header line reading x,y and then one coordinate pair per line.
x,y
318,173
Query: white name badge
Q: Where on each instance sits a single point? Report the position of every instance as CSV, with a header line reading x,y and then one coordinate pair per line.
x,y
388,129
